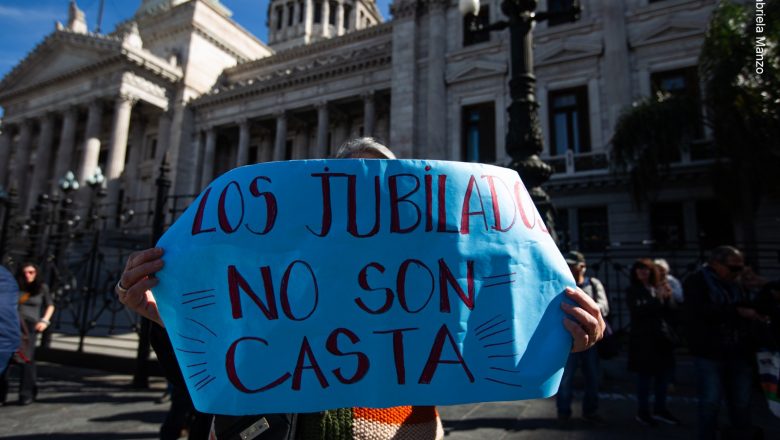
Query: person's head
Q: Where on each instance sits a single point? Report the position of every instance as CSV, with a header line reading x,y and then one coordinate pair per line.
x,y
576,262
363,148
27,276
644,272
662,266
727,262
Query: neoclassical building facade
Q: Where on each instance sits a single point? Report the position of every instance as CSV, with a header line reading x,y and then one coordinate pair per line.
x,y
181,81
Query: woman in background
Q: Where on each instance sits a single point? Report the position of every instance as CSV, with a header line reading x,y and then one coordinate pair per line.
x,y
34,295
651,348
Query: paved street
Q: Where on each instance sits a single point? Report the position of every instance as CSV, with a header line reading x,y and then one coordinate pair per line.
x,y
78,403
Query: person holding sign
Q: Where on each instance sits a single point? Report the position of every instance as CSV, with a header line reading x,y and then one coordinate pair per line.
x,y
331,362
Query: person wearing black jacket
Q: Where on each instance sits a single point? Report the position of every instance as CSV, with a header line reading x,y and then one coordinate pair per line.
x,y
651,345
719,320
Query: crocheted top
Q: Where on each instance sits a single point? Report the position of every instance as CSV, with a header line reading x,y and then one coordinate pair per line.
x,y
397,423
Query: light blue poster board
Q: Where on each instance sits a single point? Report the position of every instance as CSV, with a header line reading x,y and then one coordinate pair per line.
x,y
309,285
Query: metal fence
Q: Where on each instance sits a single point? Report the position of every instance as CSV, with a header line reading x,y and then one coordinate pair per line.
x,y
82,243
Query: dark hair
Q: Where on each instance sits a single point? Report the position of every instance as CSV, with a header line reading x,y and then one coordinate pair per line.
x,y
648,263
32,288
721,253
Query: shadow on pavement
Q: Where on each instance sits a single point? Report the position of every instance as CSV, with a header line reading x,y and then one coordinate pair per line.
x,y
505,424
156,417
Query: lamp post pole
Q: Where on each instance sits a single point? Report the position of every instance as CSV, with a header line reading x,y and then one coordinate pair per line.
x,y
524,133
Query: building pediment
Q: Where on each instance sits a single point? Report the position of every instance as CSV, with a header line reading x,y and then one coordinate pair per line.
x,y
476,70
565,51
64,54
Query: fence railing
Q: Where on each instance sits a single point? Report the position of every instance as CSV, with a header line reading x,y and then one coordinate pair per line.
x,y
82,243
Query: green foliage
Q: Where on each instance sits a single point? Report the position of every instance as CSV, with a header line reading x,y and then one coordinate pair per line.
x,y
741,106
649,137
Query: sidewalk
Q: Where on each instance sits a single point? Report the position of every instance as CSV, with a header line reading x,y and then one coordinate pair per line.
x,y
79,403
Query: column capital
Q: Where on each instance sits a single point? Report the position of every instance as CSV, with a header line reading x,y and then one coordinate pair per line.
x,y
320,104
125,97
280,114
368,94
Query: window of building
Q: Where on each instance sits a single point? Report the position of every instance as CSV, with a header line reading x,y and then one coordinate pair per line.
x,y
332,16
151,147
667,225
301,11
288,150
559,6
254,151
347,15
478,135
318,12
680,82
278,17
593,228
472,24
290,14
569,122
562,229
714,224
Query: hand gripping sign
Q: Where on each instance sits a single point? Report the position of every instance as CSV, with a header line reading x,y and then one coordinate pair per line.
x,y
308,285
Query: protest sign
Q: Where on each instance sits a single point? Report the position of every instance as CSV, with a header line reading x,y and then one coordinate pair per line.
x,y
308,285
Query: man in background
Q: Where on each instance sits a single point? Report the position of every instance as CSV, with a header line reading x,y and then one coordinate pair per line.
x,y
588,359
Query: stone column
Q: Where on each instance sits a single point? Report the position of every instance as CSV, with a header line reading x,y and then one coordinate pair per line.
x,y
66,146
42,160
242,158
5,154
296,12
325,18
91,151
22,159
163,137
132,186
308,19
207,172
616,62
403,105
197,151
369,114
340,17
281,137
285,16
117,148
436,111
323,124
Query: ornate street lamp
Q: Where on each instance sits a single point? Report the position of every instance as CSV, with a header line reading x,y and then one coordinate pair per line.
x,y
524,134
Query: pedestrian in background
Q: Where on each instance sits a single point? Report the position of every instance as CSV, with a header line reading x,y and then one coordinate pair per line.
x,y
719,318
588,359
34,295
678,294
651,343
405,422
9,326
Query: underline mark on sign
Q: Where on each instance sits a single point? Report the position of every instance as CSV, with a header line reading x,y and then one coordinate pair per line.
x,y
203,382
494,333
202,325
479,332
196,292
190,351
505,370
198,373
192,339
197,365
202,305
503,383
498,343
499,283
487,322
197,299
